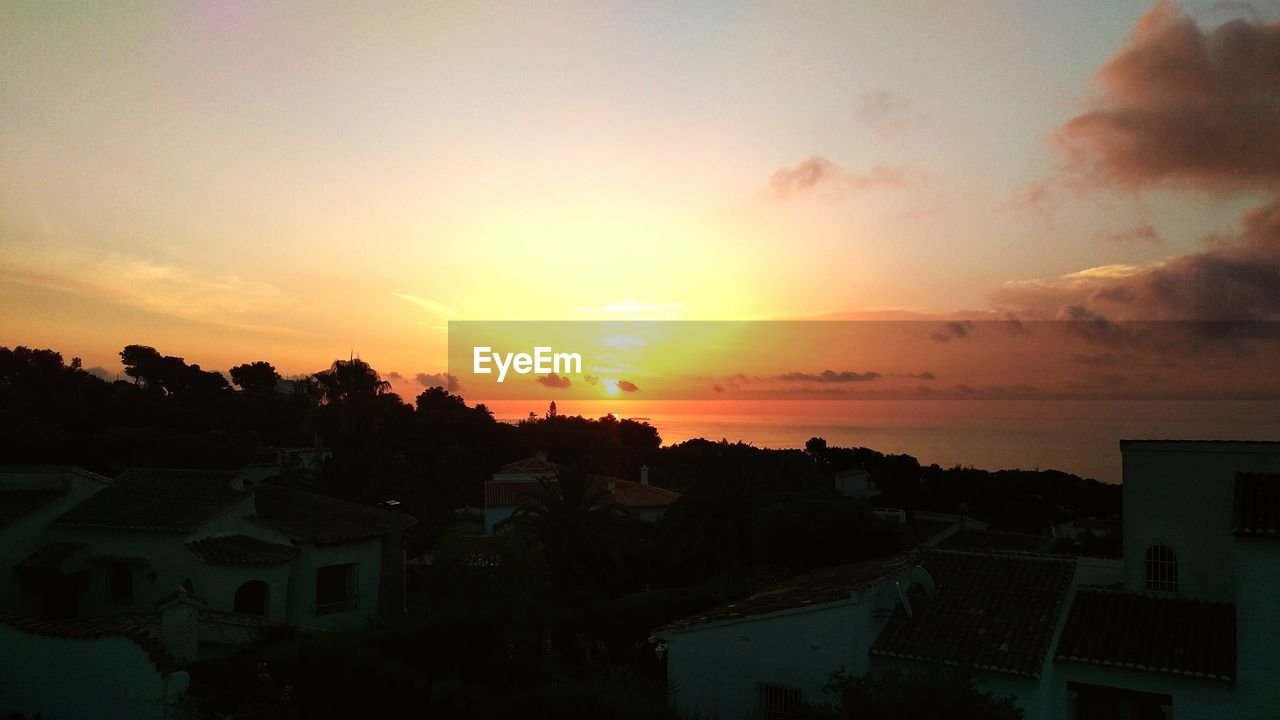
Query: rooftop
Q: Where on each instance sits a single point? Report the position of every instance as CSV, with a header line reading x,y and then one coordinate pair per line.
x,y
992,612
1159,633
536,464
1256,504
89,628
817,587
157,500
241,550
308,517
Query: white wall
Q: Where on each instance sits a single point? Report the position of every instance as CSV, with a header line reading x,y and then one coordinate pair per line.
x,y
1180,494
717,669
64,679
302,583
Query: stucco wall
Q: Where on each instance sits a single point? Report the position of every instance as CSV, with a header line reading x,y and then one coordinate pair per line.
x,y
1180,494
26,535
63,679
302,583
717,669
1258,626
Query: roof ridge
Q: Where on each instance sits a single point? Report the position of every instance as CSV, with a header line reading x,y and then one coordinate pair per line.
x,y
1153,595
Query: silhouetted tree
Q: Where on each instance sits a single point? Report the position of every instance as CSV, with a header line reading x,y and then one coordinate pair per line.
x,y
255,377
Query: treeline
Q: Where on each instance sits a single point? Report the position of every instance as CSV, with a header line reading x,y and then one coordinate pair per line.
x,y
552,617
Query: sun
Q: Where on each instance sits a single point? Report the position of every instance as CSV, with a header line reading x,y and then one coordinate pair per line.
x,y
610,387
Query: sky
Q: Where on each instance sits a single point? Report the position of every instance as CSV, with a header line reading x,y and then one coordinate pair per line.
x,y
237,181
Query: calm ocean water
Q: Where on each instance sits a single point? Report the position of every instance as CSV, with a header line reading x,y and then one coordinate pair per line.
x,y
1078,436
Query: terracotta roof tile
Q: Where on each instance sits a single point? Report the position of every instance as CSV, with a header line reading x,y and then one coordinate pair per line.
x,y
308,517
156,500
812,588
536,464
1151,632
1256,506
992,612
241,550
129,626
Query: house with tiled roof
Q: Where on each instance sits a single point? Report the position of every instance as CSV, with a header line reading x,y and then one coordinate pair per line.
x,y
525,482
760,656
78,545
1195,629
1186,625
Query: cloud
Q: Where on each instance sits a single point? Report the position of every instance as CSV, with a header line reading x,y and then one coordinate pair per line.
x,y
1142,233
885,113
441,380
819,172
554,381
1183,106
828,376
427,303
591,379
395,376
225,300
1237,279
628,386
958,329
717,388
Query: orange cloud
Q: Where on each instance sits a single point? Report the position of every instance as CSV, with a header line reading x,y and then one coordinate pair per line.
x,y
821,172
1180,105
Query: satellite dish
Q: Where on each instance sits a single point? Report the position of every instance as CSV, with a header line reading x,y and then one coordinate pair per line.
x,y
922,579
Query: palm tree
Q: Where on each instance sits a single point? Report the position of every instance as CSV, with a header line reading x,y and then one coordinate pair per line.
x,y
583,531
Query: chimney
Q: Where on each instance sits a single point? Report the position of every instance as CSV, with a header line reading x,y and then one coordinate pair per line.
x,y
644,474
180,625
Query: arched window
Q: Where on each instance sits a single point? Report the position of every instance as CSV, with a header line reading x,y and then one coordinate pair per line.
x,y
119,585
251,598
1161,569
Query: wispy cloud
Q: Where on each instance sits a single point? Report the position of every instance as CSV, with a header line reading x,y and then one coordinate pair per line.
x,y
228,299
428,304
819,172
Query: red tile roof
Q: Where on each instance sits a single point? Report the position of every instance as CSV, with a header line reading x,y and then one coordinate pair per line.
x,y
1159,633
1256,506
241,550
991,612
308,517
817,587
156,500
90,628
627,493
529,466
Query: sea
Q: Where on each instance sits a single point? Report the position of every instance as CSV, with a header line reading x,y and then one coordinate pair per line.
x,y
1077,436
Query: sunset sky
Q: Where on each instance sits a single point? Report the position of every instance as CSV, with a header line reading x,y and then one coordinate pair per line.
x,y
232,181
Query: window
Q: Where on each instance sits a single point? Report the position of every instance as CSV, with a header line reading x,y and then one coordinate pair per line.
x,y
119,585
251,598
337,588
778,702
1161,569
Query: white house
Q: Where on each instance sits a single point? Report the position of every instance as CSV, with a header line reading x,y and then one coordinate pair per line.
x,y
84,551
758,657
1195,632
1187,626
856,484
522,483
